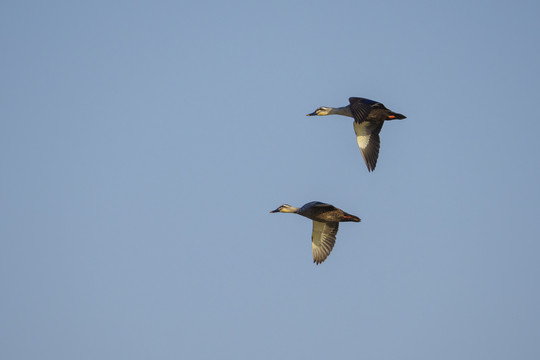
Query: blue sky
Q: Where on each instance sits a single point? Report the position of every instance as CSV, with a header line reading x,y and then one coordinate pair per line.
x,y
143,144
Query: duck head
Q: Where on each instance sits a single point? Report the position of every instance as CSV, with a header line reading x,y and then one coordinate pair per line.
x,y
323,110
285,209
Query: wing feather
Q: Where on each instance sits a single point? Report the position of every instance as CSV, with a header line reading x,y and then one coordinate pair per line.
x,y
361,108
323,239
369,142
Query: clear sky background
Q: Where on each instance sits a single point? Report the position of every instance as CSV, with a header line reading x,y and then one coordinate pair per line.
x,y
143,144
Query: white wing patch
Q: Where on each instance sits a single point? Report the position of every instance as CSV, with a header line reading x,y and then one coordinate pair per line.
x,y
367,137
363,134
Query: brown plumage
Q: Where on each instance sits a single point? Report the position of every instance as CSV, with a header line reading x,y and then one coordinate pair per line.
x,y
326,219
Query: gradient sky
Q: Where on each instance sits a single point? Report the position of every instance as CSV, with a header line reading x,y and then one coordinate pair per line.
x,y
143,144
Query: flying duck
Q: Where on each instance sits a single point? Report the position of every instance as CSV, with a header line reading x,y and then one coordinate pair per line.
x,y
326,219
369,117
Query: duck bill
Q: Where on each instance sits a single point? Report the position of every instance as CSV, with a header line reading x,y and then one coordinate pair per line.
x,y
275,211
312,114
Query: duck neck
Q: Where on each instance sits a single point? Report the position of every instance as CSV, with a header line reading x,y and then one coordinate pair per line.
x,y
345,111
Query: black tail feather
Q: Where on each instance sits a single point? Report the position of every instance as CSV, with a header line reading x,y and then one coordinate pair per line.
x,y
398,116
349,217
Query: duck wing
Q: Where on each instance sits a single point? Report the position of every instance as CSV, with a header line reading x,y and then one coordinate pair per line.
x,y
323,239
367,137
361,108
314,207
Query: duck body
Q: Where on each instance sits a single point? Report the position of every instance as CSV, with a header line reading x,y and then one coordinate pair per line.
x,y
369,117
318,211
326,219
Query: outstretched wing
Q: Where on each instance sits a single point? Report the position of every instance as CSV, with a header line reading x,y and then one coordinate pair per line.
x,y
323,239
367,136
361,108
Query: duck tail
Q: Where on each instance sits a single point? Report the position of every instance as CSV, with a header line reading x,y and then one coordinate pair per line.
x,y
395,116
349,217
